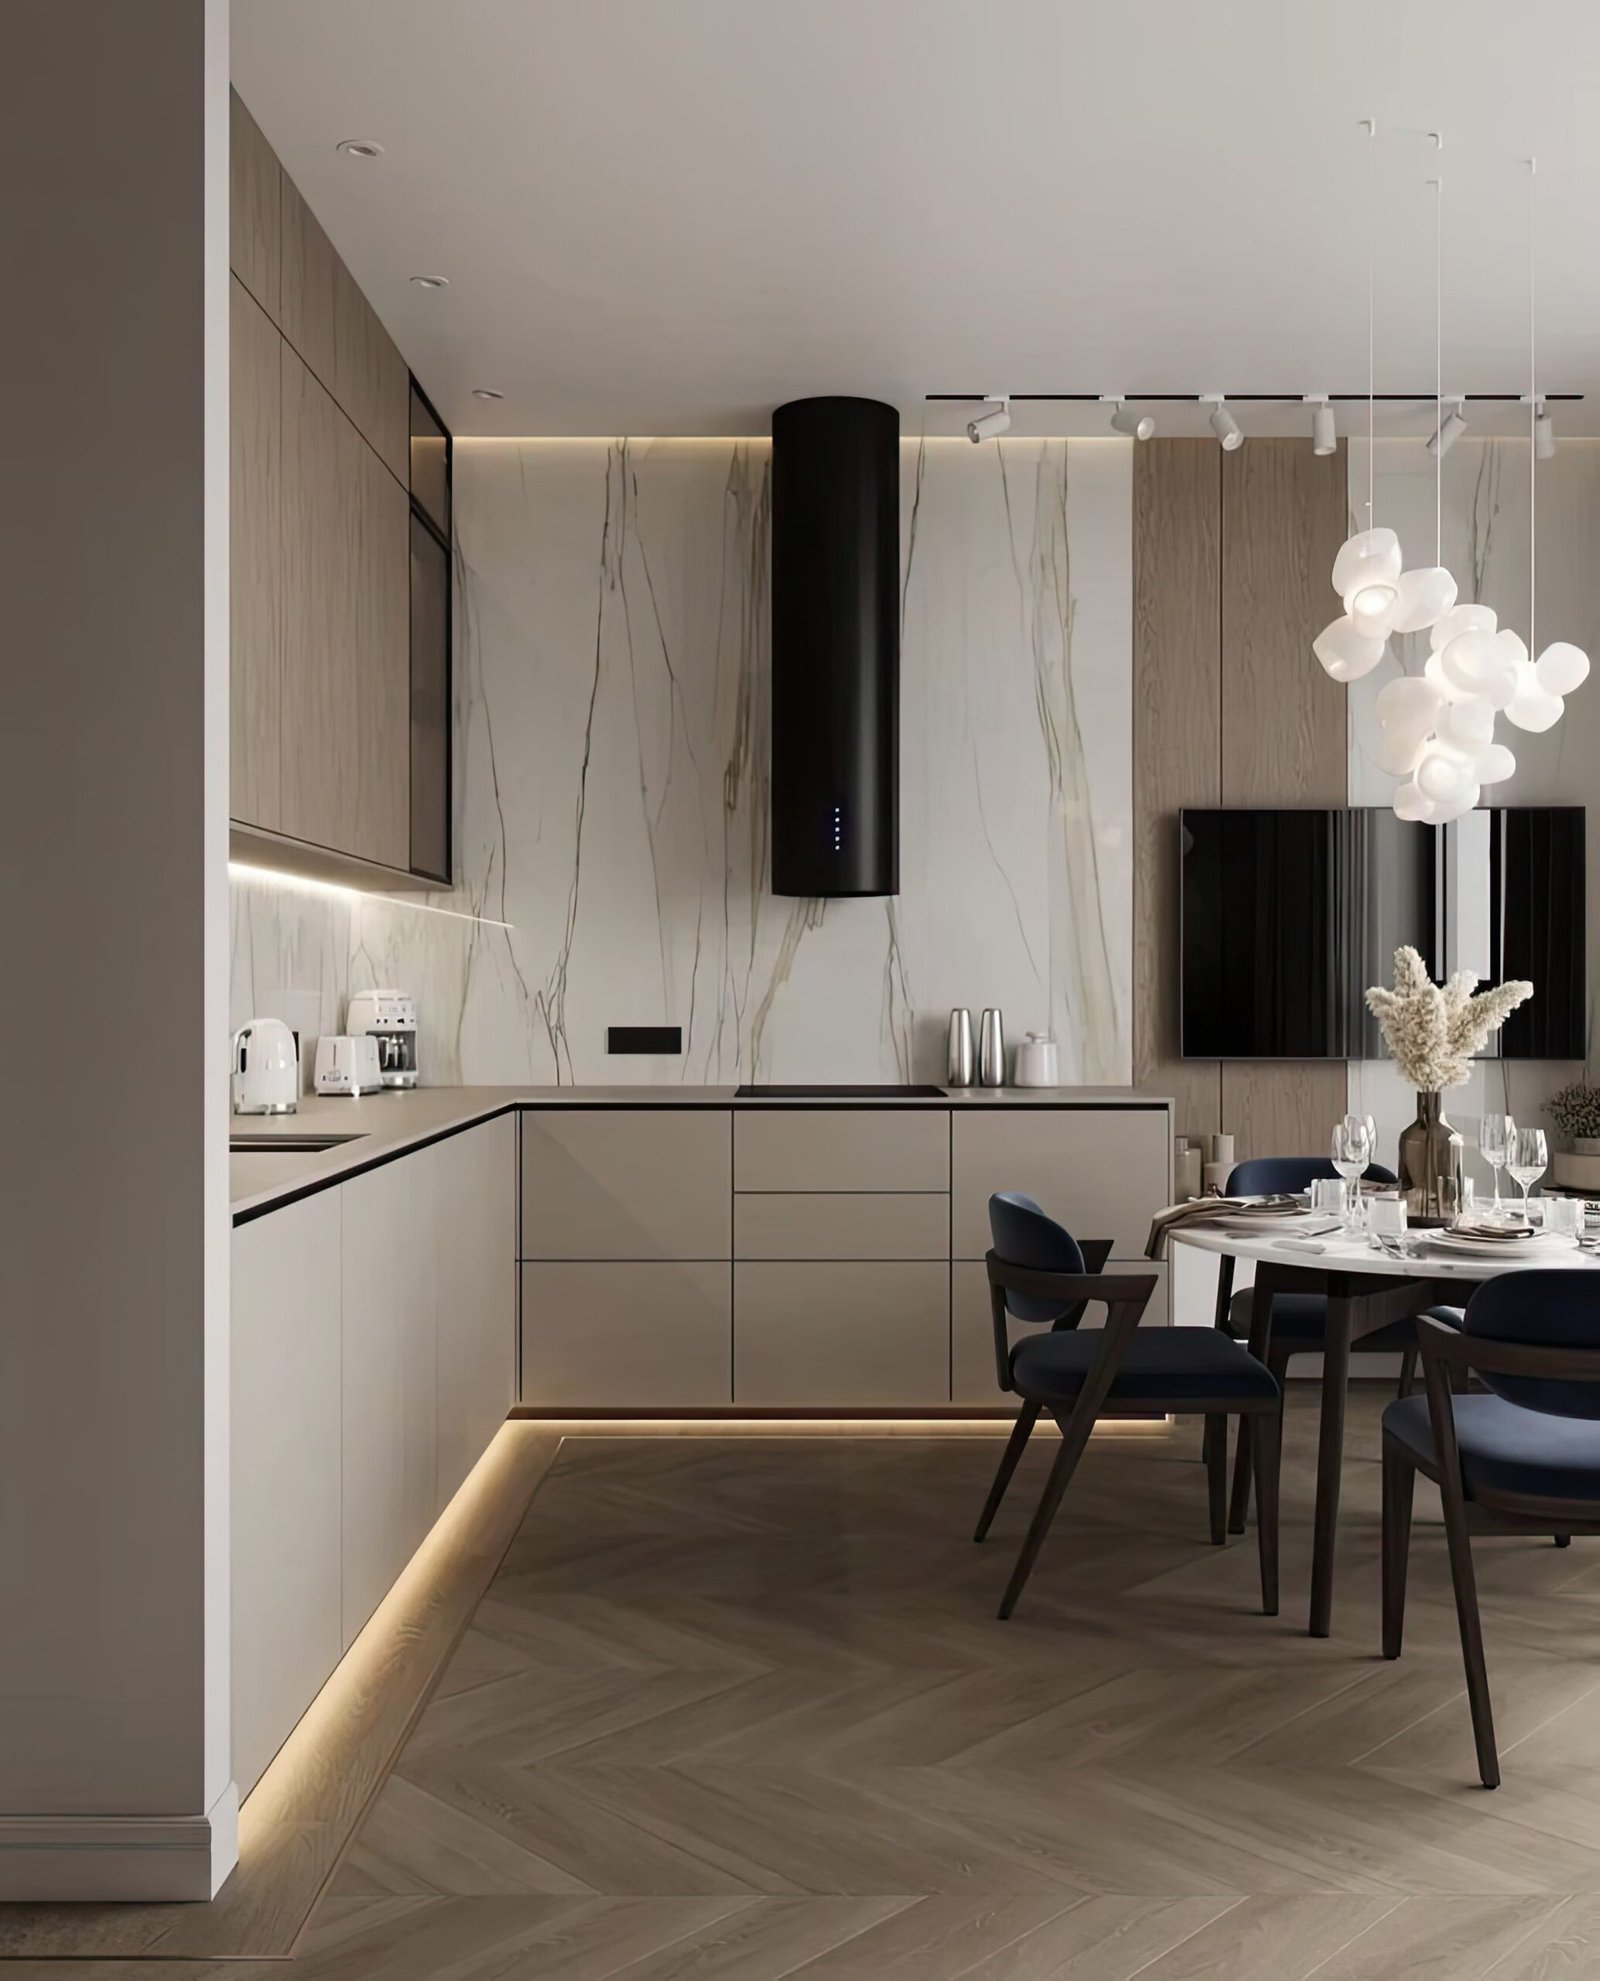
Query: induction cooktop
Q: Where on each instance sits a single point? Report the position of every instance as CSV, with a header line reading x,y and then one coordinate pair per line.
x,y
883,1090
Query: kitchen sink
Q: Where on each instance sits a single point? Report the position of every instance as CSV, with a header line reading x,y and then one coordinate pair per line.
x,y
288,1144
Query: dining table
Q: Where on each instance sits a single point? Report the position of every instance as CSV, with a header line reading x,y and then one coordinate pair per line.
x,y
1366,1287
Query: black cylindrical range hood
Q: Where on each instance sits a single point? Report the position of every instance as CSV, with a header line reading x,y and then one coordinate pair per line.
x,y
835,647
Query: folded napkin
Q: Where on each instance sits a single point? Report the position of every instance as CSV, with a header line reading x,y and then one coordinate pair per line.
x,y
1208,1210
1501,1234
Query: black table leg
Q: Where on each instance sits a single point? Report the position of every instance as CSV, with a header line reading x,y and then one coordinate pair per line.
x,y
1330,1454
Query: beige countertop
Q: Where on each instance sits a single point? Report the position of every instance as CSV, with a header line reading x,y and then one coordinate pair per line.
x,y
385,1124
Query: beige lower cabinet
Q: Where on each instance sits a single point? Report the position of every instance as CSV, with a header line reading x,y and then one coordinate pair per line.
x,y
855,1334
973,1377
1099,1171
475,1245
627,1334
388,1290
840,1225
841,1148
627,1183
285,1377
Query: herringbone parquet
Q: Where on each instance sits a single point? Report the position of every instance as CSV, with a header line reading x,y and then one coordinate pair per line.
x,y
739,1706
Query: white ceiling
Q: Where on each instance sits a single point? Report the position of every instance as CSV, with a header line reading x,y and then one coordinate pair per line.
x,y
668,216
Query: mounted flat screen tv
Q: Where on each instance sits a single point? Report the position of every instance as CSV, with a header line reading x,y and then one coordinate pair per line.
x,y
1288,916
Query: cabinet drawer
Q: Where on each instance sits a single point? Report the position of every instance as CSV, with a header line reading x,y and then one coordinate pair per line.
x,y
841,1148
837,1225
626,1183
972,1370
627,1336
1102,1172
827,1335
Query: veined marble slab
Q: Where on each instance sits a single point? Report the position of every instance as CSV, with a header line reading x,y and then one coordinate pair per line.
x,y
612,714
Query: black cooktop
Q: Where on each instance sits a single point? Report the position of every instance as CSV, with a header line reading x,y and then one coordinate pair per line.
x,y
883,1090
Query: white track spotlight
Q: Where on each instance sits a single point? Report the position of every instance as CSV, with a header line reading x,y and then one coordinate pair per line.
x,y
1544,433
1324,435
990,426
1223,424
1137,426
1451,428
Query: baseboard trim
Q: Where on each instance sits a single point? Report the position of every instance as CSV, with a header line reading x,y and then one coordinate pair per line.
x,y
138,1858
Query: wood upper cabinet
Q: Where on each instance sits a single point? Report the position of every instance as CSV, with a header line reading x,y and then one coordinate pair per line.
x,y
346,671
255,195
255,581
310,282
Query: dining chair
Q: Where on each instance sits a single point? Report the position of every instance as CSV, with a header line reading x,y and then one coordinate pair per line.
x,y
1298,1321
1040,1276
1521,1457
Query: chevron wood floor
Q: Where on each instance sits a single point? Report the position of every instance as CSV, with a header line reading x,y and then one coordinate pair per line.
x,y
739,1706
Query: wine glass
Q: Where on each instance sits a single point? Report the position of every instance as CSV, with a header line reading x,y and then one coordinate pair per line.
x,y
1528,1156
1496,1133
1352,1152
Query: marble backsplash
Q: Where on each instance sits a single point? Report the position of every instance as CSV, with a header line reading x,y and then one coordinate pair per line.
x,y
611,723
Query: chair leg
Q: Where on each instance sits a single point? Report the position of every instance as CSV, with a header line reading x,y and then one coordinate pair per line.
x,y
1216,1455
1408,1372
1021,1431
1563,1540
1266,1455
1399,1480
1073,1443
1466,1591
1239,1504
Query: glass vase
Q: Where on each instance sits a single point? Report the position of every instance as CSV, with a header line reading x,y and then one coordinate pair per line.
x,y
1430,1151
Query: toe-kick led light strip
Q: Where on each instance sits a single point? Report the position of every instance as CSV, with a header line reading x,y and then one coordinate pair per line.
x,y
304,883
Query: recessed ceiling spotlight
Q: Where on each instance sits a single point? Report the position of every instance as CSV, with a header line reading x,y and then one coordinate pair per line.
x,y
1137,426
360,147
486,392
1451,428
990,426
1324,434
1544,433
431,281
1223,424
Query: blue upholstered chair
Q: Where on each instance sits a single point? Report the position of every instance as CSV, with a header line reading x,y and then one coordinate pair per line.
x,y
1524,1458
1040,1276
1299,1320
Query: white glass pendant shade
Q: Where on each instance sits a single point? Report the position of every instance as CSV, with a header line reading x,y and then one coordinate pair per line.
x,y
1478,664
1425,596
1372,605
1433,670
1457,807
1561,668
1444,776
1461,619
1369,557
1531,706
1396,751
1411,805
1467,725
1409,705
1345,654
1496,764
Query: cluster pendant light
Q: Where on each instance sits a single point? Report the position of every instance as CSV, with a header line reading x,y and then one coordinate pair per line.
x,y
1436,729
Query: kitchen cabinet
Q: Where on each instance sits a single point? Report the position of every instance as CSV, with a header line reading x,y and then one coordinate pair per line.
x,y
627,1183
346,669
627,1334
286,1473
255,574
255,207
821,1334
841,1225
430,702
475,1249
389,1332
842,1148
1099,1171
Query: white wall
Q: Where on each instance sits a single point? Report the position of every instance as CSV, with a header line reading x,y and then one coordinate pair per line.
x,y
1485,514
113,1265
612,676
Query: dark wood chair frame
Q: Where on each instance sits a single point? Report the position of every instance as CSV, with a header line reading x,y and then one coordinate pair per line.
x,y
1448,1359
1125,1297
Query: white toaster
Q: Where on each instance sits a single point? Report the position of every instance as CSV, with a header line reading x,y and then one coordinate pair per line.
x,y
347,1064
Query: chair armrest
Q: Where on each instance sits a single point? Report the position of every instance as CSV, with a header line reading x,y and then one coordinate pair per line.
x,y
1095,1253
1124,1294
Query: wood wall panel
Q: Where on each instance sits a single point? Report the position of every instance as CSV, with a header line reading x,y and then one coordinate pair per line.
x,y
255,193
1177,742
310,279
1283,721
1231,560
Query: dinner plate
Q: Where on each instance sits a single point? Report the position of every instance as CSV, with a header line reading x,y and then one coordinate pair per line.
x,y
1539,1246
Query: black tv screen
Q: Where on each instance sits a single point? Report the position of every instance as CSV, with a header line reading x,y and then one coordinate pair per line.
x,y
1288,916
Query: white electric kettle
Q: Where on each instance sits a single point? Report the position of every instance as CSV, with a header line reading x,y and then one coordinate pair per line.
x,y
266,1068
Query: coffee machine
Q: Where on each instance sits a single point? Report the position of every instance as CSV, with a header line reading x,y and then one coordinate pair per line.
x,y
389,1017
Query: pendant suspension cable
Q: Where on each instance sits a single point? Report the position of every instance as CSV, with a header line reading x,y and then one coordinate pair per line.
x,y
1370,126
1533,424
1438,354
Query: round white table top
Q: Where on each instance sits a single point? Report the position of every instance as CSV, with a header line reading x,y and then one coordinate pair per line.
x,y
1335,1252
